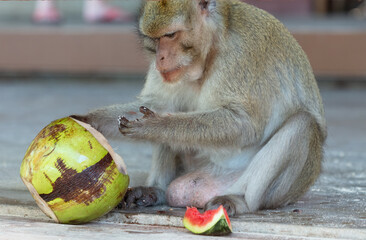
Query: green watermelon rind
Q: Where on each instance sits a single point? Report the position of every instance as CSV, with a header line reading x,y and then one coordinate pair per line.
x,y
218,226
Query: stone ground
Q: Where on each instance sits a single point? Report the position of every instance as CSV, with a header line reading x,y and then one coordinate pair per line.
x,y
333,208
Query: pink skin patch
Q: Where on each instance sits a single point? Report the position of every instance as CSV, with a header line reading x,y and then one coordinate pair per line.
x,y
194,189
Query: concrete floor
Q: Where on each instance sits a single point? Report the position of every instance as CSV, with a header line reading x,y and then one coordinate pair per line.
x,y
333,208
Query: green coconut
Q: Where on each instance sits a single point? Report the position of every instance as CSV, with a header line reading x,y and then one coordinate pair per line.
x,y
212,222
73,173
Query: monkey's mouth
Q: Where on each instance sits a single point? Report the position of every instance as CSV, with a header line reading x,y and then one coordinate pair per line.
x,y
172,75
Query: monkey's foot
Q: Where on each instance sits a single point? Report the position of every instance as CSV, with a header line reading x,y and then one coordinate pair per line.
x,y
234,204
143,197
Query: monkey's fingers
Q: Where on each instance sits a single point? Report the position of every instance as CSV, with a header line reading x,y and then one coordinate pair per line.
x,y
123,204
131,196
81,118
148,198
142,197
147,112
122,121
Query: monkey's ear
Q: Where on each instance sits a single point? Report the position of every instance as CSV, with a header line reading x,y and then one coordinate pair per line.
x,y
207,6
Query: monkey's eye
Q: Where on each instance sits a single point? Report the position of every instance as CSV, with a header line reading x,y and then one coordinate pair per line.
x,y
170,35
150,44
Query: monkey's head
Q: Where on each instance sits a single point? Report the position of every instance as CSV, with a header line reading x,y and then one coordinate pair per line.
x,y
179,35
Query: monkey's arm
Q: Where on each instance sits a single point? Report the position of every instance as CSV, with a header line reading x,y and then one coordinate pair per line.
x,y
216,128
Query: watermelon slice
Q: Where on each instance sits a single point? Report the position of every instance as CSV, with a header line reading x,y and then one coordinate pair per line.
x,y
211,222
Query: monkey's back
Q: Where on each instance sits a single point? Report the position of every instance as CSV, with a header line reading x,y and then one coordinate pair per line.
x,y
273,60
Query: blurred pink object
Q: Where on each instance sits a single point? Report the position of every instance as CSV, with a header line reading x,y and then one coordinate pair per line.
x,y
98,11
94,11
46,12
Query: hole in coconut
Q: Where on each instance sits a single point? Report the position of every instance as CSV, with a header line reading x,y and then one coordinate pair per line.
x,y
121,166
40,202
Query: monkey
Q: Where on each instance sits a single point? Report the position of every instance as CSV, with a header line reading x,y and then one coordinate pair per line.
x,y
230,105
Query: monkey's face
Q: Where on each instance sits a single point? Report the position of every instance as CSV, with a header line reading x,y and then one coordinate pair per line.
x,y
176,56
176,36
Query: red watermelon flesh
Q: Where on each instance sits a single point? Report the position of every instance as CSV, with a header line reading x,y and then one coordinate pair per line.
x,y
211,222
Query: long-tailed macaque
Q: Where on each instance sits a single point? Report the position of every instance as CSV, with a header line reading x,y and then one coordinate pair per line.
x,y
230,104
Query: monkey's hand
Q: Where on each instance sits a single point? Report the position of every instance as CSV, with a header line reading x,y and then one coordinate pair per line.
x,y
142,197
89,119
137,128
81,118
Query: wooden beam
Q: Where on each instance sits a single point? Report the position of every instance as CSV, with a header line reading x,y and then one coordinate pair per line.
x,y
335,54
117,50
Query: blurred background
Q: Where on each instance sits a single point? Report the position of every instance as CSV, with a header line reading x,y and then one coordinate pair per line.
x,y
332,32
49,70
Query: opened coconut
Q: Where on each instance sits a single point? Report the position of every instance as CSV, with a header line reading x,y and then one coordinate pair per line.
x,y
73,173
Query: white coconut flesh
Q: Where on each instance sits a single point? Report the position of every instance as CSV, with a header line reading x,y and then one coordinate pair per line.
x,y
121,166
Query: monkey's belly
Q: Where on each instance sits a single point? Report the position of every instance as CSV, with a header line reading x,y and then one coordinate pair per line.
x,y
194,189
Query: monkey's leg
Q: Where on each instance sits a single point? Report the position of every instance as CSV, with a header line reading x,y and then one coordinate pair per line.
x,y
163,167
284,169
163,171
310,171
